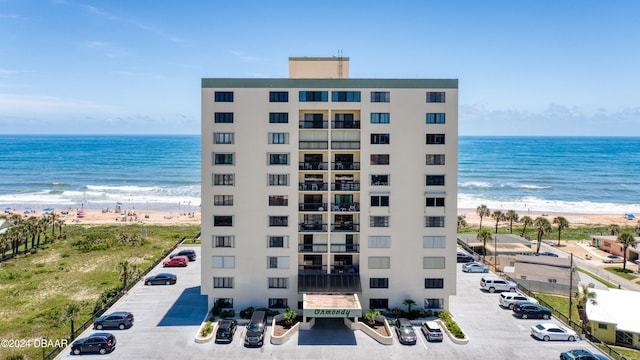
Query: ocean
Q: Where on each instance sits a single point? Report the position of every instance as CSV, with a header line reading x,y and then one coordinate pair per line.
x,y
554,174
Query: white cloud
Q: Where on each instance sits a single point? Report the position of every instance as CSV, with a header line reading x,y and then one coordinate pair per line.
x,y
19,105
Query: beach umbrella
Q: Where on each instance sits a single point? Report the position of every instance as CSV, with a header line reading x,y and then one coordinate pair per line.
x,y
48,209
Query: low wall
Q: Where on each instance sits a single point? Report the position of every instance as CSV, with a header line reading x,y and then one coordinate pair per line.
x,y
385,340
453,339
279,340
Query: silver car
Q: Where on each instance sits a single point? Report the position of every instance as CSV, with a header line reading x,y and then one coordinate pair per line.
x,y
431,331
475,267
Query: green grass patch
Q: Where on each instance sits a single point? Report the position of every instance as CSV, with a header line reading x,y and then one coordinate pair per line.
x,y
624,273
573,232
561,304
628,354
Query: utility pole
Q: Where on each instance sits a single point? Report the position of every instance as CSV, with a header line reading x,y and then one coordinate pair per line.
x,y
570,288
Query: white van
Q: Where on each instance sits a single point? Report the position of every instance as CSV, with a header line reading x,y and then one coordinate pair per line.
x,y
494,283
507,299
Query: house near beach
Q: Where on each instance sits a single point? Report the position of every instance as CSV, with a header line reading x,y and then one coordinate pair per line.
x,y
613,318
610,245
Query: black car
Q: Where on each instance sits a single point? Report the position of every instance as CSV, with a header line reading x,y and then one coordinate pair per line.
x,y
530,311
119,319
517,305
464,258
96,343
580,354
191,254
226,329
161,279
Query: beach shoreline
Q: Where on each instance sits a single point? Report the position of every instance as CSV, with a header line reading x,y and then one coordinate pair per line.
x,y
472,217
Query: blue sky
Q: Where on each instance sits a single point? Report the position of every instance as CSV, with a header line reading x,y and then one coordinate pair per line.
x,y
134,67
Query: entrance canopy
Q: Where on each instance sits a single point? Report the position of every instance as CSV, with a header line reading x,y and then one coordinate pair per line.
x,y
331,306
329,283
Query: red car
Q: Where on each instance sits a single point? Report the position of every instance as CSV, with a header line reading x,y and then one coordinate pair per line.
x,y
176,261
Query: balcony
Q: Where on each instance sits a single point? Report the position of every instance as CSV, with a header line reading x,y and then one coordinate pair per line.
x,y
345,248
312,206
312,269
345,269
345,124
345,186
350,227
306,227
345,165
313,165
313,124
348,207
313,186
312,248
313,145
345,145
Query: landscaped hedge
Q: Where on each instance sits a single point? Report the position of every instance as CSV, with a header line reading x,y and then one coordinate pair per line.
x,y
453,327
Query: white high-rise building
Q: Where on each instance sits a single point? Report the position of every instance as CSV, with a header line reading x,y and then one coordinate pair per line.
x,y
319,187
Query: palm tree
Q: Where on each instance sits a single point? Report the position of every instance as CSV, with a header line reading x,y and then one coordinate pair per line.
x,y
482,211
499,216
462,222
409,303
371,315
544,226
637,228
53,218
583,296
614,229
511,216
127,271
290,315
626,240
71,312
484,235
526,221
562,224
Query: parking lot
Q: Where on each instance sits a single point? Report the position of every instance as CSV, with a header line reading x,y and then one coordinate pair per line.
x,y
168,317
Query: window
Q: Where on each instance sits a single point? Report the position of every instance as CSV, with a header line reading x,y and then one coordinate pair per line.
x,y
434,201
308,96
380,96
277,262
223,179
379,200
223,303
434,303
223,220
379,283
278,96
222,138
433,262
379,118
278,303
435,283
278,283
435,139
279,138
278,118
552,281
223,200
379,138
379,241
278,179
223,241
277,241
434,242
223,282
435,118
345,96
379,262
223,96
223,158
434,180
278,159
379,159
223,118
278,200
602,326
435,96
379,221
224,262
434,221
278,221
435,159
380,180
378,303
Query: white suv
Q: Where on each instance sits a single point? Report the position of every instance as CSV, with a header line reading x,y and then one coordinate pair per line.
x,y
494,283
507,299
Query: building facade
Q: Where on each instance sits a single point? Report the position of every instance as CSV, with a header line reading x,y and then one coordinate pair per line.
x,y
322,184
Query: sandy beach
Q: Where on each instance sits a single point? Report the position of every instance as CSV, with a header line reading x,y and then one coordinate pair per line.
x,y
573,218
110,217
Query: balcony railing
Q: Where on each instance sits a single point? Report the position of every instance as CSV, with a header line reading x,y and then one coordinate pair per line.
x,y
345,269
313,248
345,186
348,207
345,145
345,124
312,269
313,124
312,165
313,186
345,227
312,206
345,248
313,145
312,227
345,165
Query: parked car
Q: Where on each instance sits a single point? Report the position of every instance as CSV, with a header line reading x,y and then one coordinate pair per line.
x,y
226,329
551,331
612,259
256,329
547,253
507,299
189,253
475,267
95,343
517,305
176,261
405,332
580,354
161,279
119,319
494,283
530,311
464,257
431,331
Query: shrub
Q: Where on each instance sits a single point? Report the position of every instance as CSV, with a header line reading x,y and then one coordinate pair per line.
x,y
246,313
453,327
206,329
269,312
227,313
